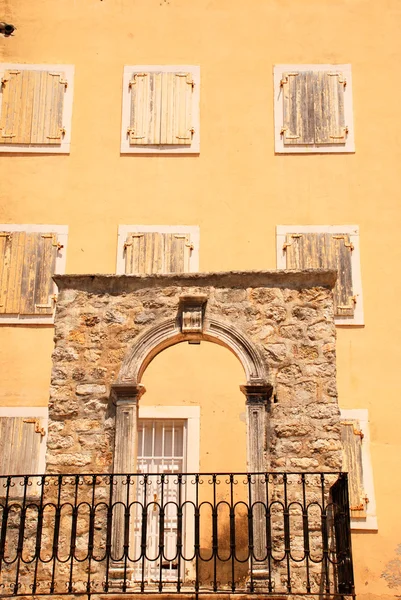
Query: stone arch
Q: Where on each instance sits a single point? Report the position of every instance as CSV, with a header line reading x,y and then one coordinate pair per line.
x,y
168,333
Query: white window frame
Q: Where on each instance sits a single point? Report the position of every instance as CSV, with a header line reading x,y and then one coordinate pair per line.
x,y
370,522
37,412
65,143
62,236
192,230
194,147
280,147
190,414
353,232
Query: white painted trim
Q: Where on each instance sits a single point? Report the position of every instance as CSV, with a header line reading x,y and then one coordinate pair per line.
x,y
126,148
192,416
280,147
62,236
353,232
38,412
192,230
64,147
370,523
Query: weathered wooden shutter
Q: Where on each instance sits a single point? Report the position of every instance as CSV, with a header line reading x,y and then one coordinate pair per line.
x,y
298,121
20,439
325,251
26,270
161,108
351,438
329,108
147,253
32,107
313,108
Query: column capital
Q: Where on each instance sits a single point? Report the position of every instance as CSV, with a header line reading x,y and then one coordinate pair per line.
x,y
258,393
126,393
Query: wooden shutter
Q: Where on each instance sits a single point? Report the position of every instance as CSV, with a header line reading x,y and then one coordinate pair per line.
x,y
313,108
32,107
325,251
20,439
161,109
298,123
28,264
329,108
147,253
351,438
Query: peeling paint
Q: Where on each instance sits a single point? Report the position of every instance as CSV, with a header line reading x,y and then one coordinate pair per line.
x,y
392,571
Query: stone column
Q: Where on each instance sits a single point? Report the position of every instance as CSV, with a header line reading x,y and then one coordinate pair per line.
x,y
257,399
125,396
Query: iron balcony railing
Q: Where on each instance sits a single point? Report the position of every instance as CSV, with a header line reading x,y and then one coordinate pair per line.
x,y
254,533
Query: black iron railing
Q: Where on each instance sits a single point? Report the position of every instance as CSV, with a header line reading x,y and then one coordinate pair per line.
x,y
262,534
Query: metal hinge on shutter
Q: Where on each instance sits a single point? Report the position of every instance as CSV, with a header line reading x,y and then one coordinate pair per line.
x,y
63,82
59,136
6,234
38,428
130,131
52,298
189,81
294,236
349,245
133,80
188,137
342,136
133,235
288,137
341,78
55,242
5,79
284,79
187,244
348,307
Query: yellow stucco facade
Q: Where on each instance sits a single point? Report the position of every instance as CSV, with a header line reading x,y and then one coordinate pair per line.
x,y
237,190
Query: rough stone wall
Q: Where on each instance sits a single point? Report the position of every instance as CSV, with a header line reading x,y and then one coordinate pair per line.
x,y
288,316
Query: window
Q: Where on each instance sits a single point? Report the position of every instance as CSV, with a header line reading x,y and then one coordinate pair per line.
x,y
144,249
23,443
313,108
29,257
327,247
356,461
160,109
36,108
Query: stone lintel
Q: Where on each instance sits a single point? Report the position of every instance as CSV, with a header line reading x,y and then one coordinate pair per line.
x,y
127,393
118,284
257,394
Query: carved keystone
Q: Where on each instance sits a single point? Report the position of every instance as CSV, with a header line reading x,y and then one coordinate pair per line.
x,y
192,312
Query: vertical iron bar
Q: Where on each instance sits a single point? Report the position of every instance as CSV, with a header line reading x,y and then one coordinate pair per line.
x,y
347,531
91,534
214,534
287,543
73,544
144,531
109,532
250,533
126,532
20,543
232,532
179,532
38,534
268,535
325,537
4,522
56,532
197,533
306,532
161,532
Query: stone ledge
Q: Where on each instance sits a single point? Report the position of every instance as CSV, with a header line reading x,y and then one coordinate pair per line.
x,y
116,284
